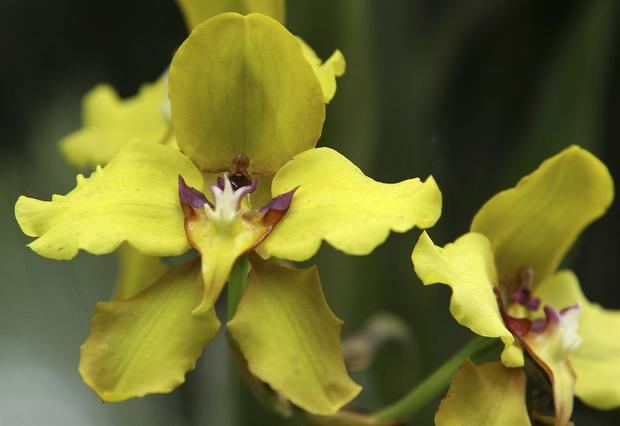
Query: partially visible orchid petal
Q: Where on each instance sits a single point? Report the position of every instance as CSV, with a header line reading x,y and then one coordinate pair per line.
x,y
291,339
536,222
337,203
485,395
146,344
136,271
109,122
550,342
197,11
241,85
326,71
467,267
595,361
133,199
345,417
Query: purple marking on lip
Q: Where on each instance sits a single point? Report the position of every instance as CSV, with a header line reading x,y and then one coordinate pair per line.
x,y
280,202
523,296
517,326
220,183
191,196
552,317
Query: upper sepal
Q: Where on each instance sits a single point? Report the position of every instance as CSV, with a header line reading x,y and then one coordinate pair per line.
x,y
538,220
241,84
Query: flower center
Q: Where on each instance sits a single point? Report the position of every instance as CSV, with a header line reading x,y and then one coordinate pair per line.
x,y
227,207
557,331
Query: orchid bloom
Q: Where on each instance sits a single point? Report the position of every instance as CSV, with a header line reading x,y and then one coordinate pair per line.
x,y
505,282
247,110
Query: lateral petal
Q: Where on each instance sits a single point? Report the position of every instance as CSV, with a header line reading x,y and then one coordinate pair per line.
x,y
337,203
536,222
595,361
134,199
467,267
146,344
241,85
291,339
109,122
484,395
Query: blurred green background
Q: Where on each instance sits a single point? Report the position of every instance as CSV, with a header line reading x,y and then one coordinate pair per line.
x,y
475,92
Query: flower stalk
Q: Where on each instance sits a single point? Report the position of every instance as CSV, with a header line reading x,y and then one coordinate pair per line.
x,y
236,284
434,384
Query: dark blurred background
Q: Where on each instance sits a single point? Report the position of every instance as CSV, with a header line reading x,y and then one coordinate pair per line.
x,y
475,92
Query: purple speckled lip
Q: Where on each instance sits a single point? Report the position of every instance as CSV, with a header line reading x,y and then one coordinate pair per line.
x,y
191,196
280,202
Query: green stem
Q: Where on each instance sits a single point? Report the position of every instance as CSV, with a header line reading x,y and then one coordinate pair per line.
x,y
236,284
430,388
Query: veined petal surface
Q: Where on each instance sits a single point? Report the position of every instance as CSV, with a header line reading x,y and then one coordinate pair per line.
x,y
134,199
136,271
147,343
595,361
485,395
109,122
291,339
337,203
326,71
197,11
467,267
536,222
241,85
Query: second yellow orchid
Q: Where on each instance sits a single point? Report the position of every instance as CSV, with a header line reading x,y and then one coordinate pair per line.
x,y
505,281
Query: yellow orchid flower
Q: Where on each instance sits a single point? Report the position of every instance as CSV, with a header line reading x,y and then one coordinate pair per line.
x,y
505,282
109,121
246,105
